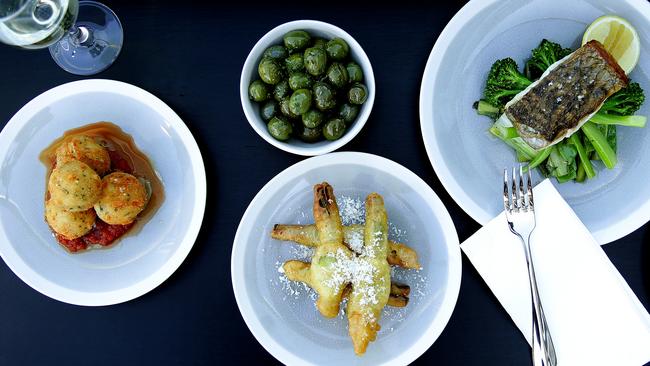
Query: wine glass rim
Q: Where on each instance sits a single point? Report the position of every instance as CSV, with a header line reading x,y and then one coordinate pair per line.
x,y
19,10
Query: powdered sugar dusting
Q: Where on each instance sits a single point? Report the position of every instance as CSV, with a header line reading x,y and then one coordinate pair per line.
x,y
340,274
396,234
371,249
416,279
354,239
301,252
352,210
293,289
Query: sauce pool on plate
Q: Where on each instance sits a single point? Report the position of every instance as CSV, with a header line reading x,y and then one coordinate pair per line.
x,y
124,157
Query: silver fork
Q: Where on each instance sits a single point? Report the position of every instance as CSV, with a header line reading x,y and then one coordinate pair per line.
x,y
520,213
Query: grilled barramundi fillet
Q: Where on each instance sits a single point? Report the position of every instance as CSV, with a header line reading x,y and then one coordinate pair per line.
x,y
565,96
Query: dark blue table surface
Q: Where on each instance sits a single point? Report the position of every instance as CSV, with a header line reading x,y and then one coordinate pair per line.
x,y
190,55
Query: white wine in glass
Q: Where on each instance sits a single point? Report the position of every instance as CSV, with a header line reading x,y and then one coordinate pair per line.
x,y
84,37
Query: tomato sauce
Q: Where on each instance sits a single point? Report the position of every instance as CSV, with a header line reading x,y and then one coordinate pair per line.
x,y
125,157
102,234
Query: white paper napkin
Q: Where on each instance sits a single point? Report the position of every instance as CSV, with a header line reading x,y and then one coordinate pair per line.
x,y
593,315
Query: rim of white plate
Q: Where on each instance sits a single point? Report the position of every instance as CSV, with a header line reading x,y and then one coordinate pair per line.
x,y
437,325
636,218
57,292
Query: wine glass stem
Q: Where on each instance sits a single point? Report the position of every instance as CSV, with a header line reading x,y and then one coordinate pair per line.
x,y
93,43
81,36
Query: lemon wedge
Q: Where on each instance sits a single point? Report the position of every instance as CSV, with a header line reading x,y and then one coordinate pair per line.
x,y
618,37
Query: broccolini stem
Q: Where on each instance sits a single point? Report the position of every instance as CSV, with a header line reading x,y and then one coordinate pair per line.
x,y
604,151
584,159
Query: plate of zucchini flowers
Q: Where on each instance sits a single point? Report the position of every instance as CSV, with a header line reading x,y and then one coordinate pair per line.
x,y
559,89
346,258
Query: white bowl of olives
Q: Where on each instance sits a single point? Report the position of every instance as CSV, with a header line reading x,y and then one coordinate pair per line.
x,y
307,87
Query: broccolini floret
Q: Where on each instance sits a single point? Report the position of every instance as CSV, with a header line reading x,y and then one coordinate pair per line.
x,y
504,81
624,102
546,54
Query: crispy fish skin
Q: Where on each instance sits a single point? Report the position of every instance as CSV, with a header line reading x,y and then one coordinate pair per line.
x,y
398,255
566,96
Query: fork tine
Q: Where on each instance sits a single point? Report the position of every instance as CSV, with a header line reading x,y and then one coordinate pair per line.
x,y
522,194
515,201
530,193
506,200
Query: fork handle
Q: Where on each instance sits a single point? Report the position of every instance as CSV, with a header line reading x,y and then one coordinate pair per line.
x,y
543,350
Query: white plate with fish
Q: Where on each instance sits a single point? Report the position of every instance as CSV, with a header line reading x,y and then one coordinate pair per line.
x,y
469,160
141,260
282,314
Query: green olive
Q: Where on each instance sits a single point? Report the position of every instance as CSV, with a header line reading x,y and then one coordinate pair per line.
x,y
294,63
269,110
281,90
337,49
270,71
315,61
276,52
324,96
312,118
355,73
258,91
285,110
358,93
334,129
348,112
319,43
337,75
310,134
280,128
300,101
299,80
296,40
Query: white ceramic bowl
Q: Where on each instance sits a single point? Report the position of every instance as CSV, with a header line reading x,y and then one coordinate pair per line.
x,y
469,161
282,315
249,73
139,262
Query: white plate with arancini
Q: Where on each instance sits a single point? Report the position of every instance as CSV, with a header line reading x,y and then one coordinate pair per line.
x,y
141,260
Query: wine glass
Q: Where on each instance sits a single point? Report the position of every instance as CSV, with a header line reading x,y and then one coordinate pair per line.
x,y
84,37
